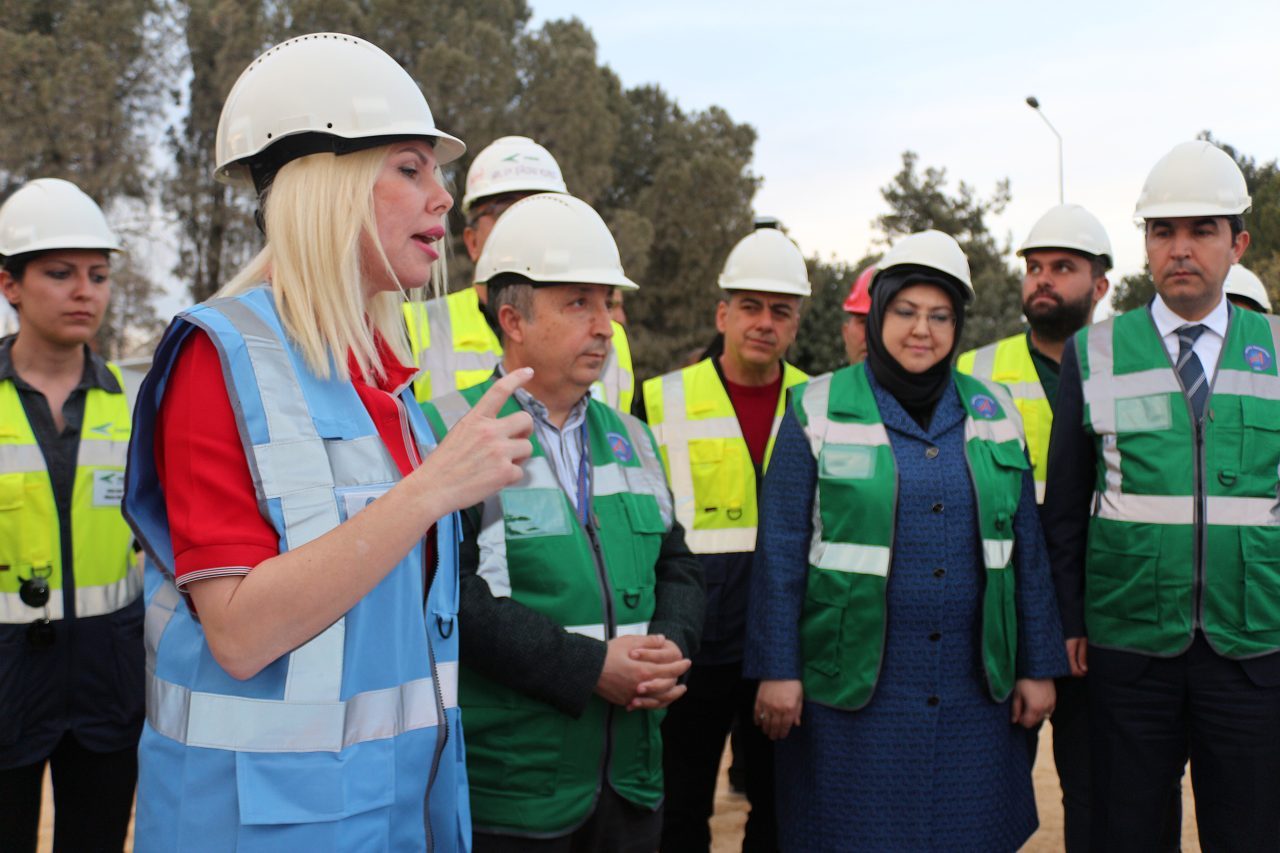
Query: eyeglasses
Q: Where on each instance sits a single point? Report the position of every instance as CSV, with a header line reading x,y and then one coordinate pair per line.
x,y
938,320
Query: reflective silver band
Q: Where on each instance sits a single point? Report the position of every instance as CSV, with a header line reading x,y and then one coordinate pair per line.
x,y
21,458
596,631
1180,509
997,553
14,612
721,540
848,557
215,721
984,360
97,453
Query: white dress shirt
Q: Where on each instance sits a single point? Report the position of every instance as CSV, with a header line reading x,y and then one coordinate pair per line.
x,y
1207,347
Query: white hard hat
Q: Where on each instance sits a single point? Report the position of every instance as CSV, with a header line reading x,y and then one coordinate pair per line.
x,y
553,238
932,249
50,213
1069,226
329,87
512,164
1194,179
1242,282
766,260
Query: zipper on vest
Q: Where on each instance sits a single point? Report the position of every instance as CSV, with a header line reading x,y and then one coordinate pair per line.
x,y
610,630
442,738
1197,615
429,574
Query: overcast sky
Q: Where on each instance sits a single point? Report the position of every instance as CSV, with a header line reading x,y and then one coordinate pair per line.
x,y
838,90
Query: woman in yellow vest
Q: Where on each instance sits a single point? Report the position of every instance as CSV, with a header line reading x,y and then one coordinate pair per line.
x,y
71,659
904,626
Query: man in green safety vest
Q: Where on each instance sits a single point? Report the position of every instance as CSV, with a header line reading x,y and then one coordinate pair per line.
x,y
451,337
580,602
1067,255
1164,532
715,422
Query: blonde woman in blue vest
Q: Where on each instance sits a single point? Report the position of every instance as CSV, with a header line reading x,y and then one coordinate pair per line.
x,y
904,624
303,583
71,690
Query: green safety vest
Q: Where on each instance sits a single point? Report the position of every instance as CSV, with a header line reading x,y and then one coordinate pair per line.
x,y
843,620
713,478
1185,529
106,577
1009,362
466,350
533,769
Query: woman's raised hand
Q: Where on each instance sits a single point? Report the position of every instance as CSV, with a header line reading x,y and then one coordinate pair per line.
x,y
484,452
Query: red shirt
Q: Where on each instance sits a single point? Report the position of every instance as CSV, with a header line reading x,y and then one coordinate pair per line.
x,y
214,520
755,406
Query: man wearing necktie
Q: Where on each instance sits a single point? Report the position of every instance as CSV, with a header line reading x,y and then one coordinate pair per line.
x,y
1163,528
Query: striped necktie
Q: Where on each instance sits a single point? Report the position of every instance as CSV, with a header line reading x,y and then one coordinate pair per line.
x,y
1194,383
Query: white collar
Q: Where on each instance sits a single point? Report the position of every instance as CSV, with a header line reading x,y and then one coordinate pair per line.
x,y
1167,322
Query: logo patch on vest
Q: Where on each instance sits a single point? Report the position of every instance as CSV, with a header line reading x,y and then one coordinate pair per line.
x,y
983,406
622,449
1259,359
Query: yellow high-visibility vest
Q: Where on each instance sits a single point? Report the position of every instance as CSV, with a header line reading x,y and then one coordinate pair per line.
x,y
473,351
1009,362
712,476
106,575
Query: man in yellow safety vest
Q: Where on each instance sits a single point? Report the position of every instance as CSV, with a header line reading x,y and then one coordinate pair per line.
x,y
715,422
451,336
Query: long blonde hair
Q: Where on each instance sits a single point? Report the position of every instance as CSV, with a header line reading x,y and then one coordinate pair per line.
x,y
316,212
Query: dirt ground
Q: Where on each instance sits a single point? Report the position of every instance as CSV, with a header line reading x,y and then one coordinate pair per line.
x,y
731,812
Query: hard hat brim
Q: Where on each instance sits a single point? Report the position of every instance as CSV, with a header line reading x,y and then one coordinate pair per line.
x,y
1183,210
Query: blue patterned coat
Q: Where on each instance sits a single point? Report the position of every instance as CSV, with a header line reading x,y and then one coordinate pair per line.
x,y
931,763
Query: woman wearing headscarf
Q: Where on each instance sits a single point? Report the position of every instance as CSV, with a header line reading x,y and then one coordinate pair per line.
x,y
904,625
302,586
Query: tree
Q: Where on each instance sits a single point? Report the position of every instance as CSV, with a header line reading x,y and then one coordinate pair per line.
x,y
920,201
687,177
1262,220
1133,291
82,92
819,347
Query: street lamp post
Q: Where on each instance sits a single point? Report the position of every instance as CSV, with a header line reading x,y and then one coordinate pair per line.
x,y
1034,103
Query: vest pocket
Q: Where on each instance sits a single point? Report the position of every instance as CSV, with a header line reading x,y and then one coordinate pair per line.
x,y
825,603
1261,551
11,491
515,751
315,787
1152,413
1260,444
1121,570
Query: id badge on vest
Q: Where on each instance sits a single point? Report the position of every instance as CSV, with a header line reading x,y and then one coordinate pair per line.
x,y
108,489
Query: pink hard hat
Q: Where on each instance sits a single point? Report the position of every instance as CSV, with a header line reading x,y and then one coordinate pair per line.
x,y
859,299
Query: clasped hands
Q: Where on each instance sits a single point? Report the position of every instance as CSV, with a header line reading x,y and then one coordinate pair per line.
x,y
642,672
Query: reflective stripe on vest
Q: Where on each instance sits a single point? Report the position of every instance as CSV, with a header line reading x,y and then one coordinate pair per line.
x,y
466,350
842,623
1009,363
1184,529
107,577
669,404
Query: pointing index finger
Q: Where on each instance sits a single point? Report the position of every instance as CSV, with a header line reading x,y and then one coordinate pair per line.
x,y
496,397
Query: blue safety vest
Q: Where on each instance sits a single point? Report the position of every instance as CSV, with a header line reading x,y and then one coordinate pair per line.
x,y
339,744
